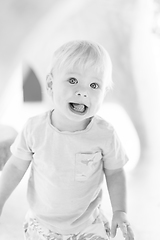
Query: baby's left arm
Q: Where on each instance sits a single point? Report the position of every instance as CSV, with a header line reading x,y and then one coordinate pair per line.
x,y
116,183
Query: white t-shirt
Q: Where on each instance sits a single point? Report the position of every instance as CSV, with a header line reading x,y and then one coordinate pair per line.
x,y
64,188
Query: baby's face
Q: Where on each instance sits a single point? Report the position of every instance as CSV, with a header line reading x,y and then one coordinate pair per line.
x,y
77,93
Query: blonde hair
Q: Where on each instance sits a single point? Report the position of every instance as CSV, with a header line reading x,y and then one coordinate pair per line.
x,y
84,54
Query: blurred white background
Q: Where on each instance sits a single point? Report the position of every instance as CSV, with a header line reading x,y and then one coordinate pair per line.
x,y
130,30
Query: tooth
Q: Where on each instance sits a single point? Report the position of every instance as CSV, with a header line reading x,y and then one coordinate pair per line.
x,y
79,107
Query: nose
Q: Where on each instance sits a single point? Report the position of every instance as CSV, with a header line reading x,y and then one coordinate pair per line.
x,y
81,93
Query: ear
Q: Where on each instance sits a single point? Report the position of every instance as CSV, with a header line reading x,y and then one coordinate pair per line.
x,y
49,84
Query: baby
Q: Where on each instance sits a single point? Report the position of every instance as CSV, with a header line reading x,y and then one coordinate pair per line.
x,y
71,150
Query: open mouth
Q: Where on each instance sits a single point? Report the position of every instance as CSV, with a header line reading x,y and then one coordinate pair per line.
x,y
78,108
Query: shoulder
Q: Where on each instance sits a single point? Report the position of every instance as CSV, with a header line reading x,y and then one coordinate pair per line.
x,y
103,130
103,125
102,133
37,121
39,118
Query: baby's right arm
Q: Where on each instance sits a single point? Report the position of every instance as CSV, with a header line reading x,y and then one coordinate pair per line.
x,y
12,174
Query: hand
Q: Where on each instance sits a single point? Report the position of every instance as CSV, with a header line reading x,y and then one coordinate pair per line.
x,y
119,220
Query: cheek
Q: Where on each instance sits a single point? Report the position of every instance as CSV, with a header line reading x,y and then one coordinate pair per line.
x,y
97,97
62,93
67,91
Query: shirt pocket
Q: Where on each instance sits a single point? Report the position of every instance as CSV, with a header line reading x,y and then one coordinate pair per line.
x,y
86,165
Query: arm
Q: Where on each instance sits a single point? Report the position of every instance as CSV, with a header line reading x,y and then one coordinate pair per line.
x,y
12,174
116,183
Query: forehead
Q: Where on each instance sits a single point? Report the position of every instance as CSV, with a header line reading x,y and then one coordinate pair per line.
x,y
90,72
81,64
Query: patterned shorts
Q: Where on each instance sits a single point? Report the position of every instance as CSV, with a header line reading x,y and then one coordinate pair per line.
x,y
98,230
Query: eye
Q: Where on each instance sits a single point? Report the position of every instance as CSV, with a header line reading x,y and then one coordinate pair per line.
x,y
94,85
73,81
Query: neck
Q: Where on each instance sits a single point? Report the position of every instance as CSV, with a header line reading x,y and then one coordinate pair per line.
x,y
68,125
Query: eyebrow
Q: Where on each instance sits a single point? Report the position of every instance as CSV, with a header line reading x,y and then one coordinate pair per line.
x,y
73,73
99,80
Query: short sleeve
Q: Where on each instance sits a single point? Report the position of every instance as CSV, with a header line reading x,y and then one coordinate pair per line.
x,y
114,154
21,147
